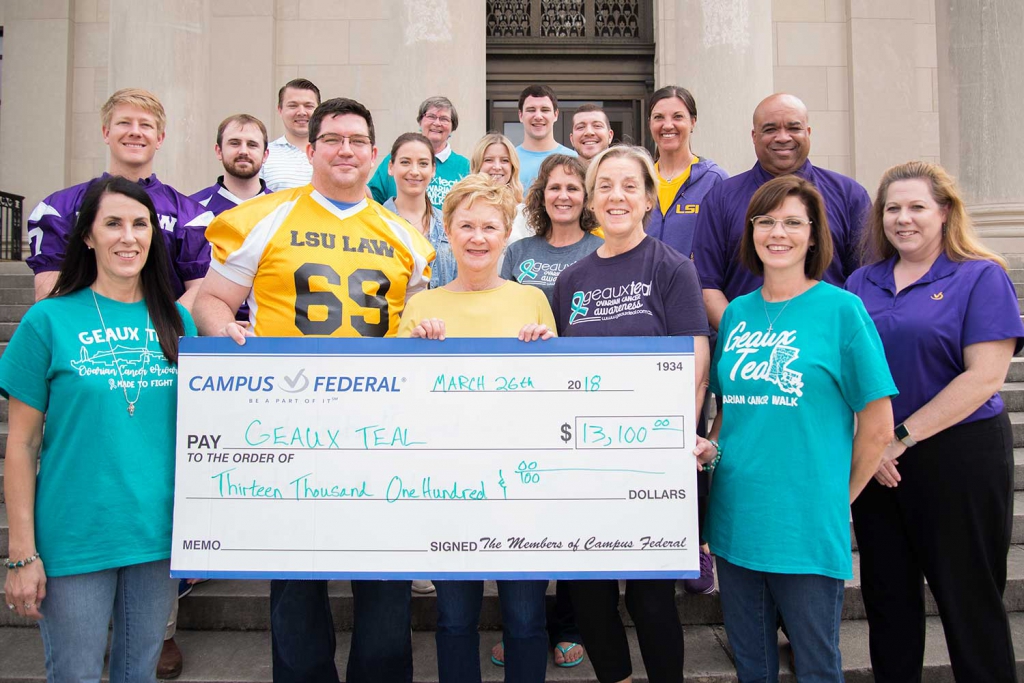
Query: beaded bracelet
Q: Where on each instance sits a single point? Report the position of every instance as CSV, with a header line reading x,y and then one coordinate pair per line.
x,y
710,467
20,563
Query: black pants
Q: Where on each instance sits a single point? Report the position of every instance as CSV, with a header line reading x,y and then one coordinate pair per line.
x,y
949,521
561,618
652,605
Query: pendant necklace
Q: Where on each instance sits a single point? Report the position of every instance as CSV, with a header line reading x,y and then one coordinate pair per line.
x,y
117,361
771,321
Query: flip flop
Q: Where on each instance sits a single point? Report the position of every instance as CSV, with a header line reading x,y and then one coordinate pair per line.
x,y
494,660
565,651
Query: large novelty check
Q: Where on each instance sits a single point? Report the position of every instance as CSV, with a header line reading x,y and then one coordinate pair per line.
x,y
467,458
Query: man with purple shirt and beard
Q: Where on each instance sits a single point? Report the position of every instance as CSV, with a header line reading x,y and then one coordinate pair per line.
x,y
782,142
133,127
242,148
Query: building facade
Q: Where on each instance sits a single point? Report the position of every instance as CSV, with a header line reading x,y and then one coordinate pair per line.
x,y
885,80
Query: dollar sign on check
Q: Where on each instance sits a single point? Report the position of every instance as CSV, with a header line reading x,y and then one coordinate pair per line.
x,y
566,432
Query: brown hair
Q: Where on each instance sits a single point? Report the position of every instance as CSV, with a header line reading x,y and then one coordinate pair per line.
x,y
480,187
241,120
428,216
771,196
959,241
297,84
135,97
476,160
536,212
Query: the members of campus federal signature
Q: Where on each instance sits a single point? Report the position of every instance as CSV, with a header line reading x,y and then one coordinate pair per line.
x,y
287,166
782,143
268,251
102,350
796,361
941,505
538,112
683,177
242,149
657,293
478,217
438,120
412,167
133,125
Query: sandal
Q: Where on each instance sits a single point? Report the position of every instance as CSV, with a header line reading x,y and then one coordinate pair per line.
x,y
494,660
565,651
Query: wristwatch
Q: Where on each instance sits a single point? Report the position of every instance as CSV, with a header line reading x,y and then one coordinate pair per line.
x,y
903,435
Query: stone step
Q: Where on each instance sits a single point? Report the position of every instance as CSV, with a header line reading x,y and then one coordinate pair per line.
x,y
226,656
1017,422
1013,396
14,268
17,280
1016,371
12,313
7,330
236,605
21,295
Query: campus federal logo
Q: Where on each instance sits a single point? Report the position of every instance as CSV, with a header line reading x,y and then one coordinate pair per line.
x,y
295,383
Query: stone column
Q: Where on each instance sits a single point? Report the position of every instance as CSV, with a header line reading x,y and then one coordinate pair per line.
x,y
163,46
721,51
883,110
981,88
35,133
438,47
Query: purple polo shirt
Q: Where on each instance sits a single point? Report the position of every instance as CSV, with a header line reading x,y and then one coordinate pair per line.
x,y
925,327
219,199
182,221
720,226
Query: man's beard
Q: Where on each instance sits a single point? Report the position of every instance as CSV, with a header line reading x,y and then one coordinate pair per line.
x,y
234,170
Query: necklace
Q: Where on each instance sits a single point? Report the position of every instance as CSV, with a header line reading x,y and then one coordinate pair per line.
x,y
771,321
117,361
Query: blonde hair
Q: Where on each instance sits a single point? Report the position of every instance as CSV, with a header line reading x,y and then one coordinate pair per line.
x,y
477,160
638,154
480,187
959,241
135,97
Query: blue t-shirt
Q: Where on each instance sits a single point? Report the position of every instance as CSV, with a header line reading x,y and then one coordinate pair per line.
x,y
105,488
781,496
529,163
926,326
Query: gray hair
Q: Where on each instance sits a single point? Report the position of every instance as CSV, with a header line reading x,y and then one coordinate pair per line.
x,y
439,102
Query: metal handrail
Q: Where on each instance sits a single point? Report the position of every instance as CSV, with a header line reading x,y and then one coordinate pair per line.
x,y
10,226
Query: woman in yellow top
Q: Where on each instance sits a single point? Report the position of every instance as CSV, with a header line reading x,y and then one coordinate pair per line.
x,y
478,214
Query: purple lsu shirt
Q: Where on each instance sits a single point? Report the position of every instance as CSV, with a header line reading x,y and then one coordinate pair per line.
x,y
925,327
219,199
182,221
720,226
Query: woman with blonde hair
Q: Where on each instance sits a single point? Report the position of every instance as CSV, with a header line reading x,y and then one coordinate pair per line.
x,y
941,505
496,156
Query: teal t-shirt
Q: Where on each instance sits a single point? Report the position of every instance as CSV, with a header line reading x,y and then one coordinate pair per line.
x,y
446,174
780,499
105,488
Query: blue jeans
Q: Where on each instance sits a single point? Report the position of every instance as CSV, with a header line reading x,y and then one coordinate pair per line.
x,y
77,611
810,604
302,633
458,635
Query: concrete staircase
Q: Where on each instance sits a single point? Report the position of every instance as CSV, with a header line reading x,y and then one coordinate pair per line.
x,y
224,625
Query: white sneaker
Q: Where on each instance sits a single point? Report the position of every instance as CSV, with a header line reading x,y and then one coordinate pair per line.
x,y
422,586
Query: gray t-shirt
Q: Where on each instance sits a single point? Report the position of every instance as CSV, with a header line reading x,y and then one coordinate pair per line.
x,y
532,261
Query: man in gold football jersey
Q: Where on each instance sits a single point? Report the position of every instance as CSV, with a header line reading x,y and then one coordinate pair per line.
x,y
322,260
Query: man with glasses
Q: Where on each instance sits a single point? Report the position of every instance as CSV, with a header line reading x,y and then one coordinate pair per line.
x,y
322,260
437,120
782,143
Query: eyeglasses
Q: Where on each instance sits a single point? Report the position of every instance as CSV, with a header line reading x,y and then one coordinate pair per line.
x,y
434,117
357,142
789,224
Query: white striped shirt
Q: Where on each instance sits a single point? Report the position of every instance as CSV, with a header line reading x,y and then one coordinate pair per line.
x,y
286,167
